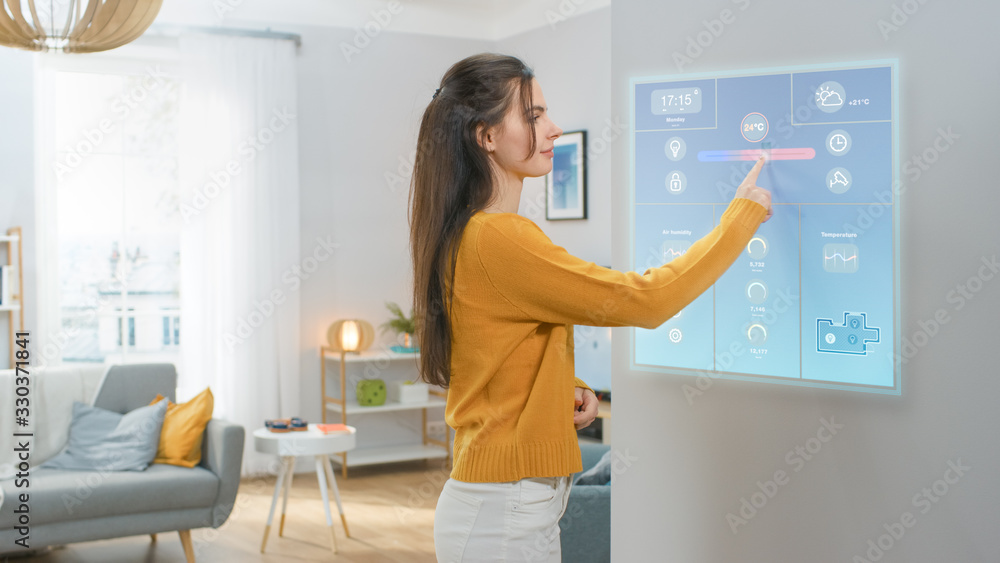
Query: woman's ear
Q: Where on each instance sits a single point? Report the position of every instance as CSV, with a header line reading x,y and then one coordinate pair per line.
x,y
486,137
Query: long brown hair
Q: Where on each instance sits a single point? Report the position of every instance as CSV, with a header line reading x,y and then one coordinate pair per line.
x,y
453,180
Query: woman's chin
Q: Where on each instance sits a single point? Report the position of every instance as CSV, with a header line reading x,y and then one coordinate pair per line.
x,y
541,170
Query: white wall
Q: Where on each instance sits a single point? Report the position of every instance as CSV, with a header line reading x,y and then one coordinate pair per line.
x,y
691,465
17,177
358,121
572,62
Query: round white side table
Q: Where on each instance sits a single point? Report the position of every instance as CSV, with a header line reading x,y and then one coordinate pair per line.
x,y
288,445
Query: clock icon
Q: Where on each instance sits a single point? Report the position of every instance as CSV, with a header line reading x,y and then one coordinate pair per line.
x,y
838,142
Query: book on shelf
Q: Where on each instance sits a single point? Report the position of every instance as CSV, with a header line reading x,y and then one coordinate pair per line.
x,y
333,428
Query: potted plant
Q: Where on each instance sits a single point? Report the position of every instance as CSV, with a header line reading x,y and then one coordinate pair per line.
x,y
400,323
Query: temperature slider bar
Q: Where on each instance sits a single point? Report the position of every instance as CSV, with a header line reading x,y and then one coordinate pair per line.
x,y
754,154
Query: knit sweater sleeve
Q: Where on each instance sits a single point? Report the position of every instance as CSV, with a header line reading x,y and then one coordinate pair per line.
x,y
545,283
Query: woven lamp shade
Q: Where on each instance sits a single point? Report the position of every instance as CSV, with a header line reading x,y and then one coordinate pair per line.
x,y
352,335
74,26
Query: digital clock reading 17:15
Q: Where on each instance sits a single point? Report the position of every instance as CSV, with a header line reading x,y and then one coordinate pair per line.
x,y
676,101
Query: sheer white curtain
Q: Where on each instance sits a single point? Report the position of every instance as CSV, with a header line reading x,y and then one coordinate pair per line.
x,y
240,233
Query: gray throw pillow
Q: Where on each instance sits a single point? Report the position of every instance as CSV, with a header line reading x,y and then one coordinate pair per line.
x,y
104,440
599,474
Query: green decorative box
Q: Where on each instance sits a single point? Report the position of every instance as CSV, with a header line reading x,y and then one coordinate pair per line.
x,y
371,392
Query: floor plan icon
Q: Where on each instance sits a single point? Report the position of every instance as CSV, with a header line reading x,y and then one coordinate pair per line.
x,y
852,337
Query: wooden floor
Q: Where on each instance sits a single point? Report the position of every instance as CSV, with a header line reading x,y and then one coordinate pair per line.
x,y
389,509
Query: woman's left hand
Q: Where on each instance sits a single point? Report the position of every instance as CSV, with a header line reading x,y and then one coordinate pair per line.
x,y
585,408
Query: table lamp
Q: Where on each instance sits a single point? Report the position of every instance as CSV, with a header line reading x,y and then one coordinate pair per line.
x,y
352,335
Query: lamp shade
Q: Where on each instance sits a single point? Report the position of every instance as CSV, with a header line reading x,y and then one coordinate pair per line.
x,y
74,26
350,335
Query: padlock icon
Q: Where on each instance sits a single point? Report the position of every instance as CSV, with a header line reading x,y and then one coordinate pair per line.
x,y
675,182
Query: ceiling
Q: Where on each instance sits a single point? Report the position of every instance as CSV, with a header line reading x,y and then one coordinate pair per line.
x,y
490,20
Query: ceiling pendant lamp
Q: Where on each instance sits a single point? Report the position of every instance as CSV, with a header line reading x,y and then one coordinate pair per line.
x,y
74,26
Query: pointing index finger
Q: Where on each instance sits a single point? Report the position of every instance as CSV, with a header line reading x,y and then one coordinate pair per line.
x,y
755,171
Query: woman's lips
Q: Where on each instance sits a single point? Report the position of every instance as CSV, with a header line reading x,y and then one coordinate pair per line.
x,y
548,153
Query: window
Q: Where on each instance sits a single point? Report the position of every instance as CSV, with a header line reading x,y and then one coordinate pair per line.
x,y
171,330
112,136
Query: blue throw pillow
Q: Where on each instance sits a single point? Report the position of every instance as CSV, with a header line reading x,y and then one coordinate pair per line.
x,y
104,440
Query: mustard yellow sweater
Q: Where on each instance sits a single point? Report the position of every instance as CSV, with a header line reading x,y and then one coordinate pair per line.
x,y
517,296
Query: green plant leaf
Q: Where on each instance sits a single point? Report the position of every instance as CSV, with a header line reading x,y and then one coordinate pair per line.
x,y
399,321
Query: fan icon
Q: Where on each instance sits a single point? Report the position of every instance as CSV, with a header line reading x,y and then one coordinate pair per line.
x,y
675,335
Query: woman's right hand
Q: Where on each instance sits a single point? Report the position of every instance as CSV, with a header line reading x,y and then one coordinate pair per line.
x,y
750,190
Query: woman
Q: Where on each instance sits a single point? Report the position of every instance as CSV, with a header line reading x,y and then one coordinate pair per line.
x,y
497,301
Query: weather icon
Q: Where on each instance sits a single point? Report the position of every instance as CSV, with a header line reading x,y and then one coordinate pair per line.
x,y
830,96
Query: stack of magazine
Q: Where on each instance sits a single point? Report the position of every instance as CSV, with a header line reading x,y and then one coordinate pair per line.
x,y
333,428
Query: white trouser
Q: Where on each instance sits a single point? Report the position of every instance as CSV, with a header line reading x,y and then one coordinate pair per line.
x,y
512,521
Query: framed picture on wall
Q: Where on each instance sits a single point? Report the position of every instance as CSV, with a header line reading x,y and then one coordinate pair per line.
x,y
566,184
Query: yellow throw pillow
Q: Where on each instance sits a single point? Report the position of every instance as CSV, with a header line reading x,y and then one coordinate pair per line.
x,y
183,428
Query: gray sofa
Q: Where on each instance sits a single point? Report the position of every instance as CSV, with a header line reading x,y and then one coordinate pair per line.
x,y
73,506
585,528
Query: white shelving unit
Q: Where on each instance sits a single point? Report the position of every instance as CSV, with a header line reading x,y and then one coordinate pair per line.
x,y
430,448
388,406
13,242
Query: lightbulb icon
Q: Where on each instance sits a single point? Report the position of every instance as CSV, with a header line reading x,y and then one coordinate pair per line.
x,y
675,148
